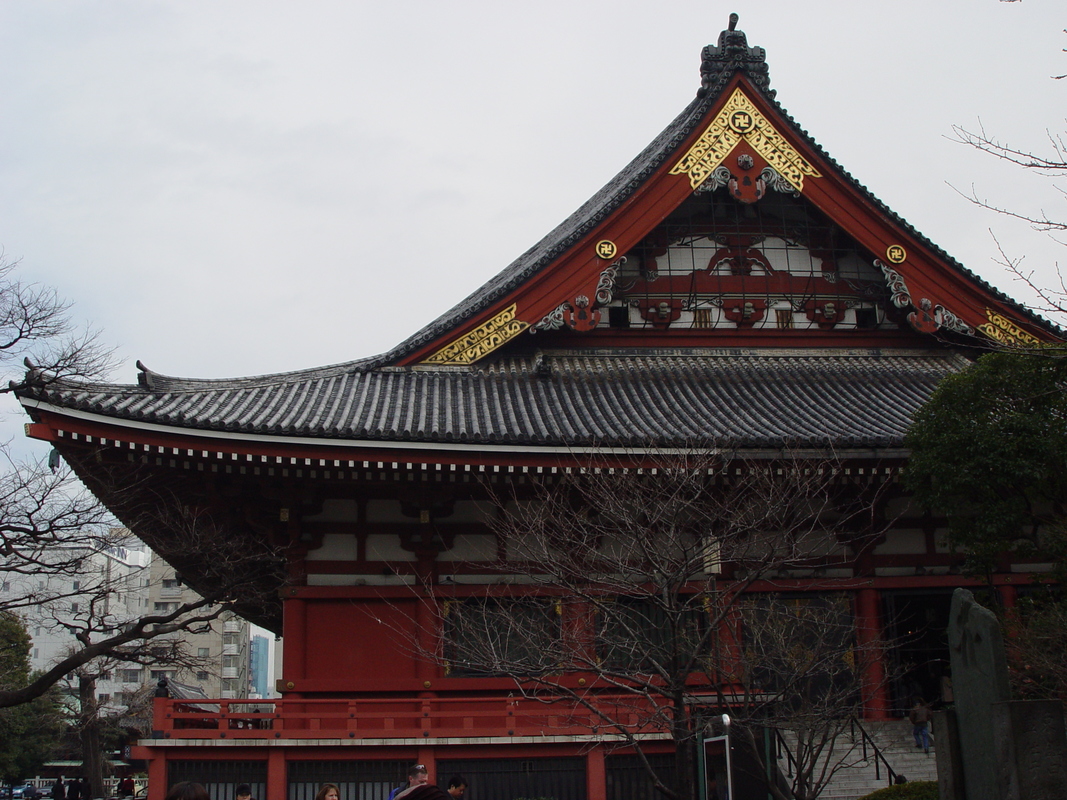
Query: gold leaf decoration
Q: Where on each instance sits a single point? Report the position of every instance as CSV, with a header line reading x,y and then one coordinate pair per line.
x,y
740,120
484,339
1001,329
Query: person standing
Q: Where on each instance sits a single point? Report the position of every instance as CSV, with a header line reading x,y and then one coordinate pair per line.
x,y
418,776
87,789
457,785
58,793
74,789
919,716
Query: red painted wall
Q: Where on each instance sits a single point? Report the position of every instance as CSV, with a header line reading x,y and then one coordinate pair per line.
x,y
361,641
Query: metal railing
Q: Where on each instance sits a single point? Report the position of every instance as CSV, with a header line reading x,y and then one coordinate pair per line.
x,y
879,758
869,751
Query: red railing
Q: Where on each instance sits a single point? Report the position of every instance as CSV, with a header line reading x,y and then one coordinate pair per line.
x,y
396,718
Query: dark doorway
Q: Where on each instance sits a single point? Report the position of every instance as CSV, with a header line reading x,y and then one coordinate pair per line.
x,y
916,621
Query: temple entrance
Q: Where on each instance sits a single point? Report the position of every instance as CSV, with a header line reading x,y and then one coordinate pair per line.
x,y
916,621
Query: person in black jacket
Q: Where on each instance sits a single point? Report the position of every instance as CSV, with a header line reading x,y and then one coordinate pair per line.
x,y
58,793
74,789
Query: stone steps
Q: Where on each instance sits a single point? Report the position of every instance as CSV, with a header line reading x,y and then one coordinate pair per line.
x,y
895,741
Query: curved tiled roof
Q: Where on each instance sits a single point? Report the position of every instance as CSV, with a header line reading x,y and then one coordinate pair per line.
x,y
719,64
751,398
636,398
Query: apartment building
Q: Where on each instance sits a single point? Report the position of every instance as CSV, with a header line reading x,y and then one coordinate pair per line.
x,y
220,650
97,584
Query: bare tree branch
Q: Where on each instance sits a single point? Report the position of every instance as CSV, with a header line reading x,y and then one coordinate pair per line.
x,y
641,581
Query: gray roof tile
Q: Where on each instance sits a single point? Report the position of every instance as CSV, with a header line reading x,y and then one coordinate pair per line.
x,y
731,398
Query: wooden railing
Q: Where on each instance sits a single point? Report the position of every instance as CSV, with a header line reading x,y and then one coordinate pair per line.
x,y
394,718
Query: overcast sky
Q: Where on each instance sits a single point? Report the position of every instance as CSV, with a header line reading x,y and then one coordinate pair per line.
x,y
235,188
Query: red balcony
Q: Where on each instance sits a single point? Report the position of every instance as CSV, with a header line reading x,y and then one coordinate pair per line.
x,y
398,718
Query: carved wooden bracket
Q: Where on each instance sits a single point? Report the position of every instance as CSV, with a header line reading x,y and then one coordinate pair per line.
x,y
744,312
660,312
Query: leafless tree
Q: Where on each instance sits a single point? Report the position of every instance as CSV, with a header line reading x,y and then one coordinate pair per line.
x,y
91,717
1052,300
661,585
53,530
36,328
98,629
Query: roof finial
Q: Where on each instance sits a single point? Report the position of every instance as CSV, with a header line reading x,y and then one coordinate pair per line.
x,y
732,53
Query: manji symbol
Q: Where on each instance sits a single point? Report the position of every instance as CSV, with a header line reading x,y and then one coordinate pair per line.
x,y
742,122
606,249
895,254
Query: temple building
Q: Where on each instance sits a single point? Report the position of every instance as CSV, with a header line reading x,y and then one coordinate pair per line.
x,y
733,290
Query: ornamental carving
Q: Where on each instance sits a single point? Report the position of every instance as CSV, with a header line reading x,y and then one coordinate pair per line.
x,y
899,293
740,120
1001,329
581,314
949,321
776,181
483,340
605,287
551,321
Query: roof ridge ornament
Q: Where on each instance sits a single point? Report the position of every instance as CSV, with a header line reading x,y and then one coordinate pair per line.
x,y
732,53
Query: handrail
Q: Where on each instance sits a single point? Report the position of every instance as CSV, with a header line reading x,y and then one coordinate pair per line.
x,y
865,739
782,746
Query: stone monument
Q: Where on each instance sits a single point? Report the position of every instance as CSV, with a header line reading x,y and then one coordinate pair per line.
x,y
979,679
991,747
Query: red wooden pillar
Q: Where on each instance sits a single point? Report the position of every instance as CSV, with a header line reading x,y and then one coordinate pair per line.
x,y
872,655
276,776
157,776
429,760
294,632
1008,596
596,778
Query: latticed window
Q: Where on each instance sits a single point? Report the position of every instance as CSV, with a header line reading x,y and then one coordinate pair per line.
x,y
800,647
502,636
642,635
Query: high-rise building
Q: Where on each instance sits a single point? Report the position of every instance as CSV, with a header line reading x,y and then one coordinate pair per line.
x,y
258,666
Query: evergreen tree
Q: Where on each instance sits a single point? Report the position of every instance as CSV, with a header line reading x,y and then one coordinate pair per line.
x,y
30,733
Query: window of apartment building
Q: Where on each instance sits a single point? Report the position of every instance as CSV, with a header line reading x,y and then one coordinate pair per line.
x,y
105,676
229,661
103,698
37,631
156,674
77,585
130,675
201,676
36,652
203,652
229,638
164,608
73,608
170,583
5,586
